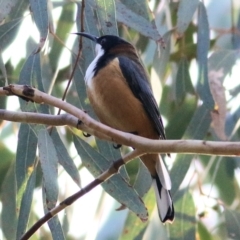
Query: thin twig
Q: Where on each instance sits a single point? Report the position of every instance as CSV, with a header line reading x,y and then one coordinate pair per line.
x,y
78,56
68,201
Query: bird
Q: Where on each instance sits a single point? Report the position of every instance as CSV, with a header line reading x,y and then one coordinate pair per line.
x,y
120,94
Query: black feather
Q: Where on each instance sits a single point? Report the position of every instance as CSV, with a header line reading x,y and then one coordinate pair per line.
x,y
140,86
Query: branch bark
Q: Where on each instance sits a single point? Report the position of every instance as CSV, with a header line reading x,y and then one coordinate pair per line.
x,y
104,132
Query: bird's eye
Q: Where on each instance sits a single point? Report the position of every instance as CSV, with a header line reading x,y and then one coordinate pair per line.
x,y
103,41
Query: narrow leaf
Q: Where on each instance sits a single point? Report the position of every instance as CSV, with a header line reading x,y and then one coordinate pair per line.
x,y
203,44
140,7
141,186
26,153
31,75
54,223
233,223
26,203
183,81
8,32
161,58
179,171
185,13
116,186
200,123
184,226
137,22
49,165
6,8
63,157
40,14
106,12
9,210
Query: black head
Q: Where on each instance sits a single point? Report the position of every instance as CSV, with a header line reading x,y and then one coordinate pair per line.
x,y
106,42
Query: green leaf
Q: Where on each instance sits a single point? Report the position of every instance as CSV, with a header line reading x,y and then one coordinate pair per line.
x,y
141,186
183,81
222,61
137,22
179,117
222,172
199,124
140,7
64,26
9,210
184,226
116,186
7,158
6,8
133,227
54,223
203,232
8,32
185,13
26,204
203,44
233,223
39,9
179,171
160,60
106,12
63,157
26,154
31,75
49,165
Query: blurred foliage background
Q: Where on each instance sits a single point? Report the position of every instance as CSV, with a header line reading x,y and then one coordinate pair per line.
x,y
195,78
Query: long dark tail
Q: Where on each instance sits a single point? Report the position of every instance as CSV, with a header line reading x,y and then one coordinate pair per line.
x,y
162,186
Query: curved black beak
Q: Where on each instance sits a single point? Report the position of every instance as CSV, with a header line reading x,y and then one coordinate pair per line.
x,y
87,35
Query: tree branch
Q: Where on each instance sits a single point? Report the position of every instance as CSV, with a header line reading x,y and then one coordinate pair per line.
x,y
104,132
68,201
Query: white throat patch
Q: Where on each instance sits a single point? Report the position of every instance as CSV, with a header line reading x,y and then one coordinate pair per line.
x,y
90,70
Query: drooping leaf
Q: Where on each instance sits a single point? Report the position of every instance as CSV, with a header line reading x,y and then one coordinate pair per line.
x,y
49,166
203,44
54,223
199,124
8,199
203,232
134,228
26,153
185,13
161,57
116,186
137,22
64,26
31,75
183,81
106,12
177,121
233,223
140,7
63,157
179,171
40,15
222,174
184,226
8,32
26,203
143,180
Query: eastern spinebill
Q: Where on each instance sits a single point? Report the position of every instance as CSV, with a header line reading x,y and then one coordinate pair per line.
x,y
121,96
